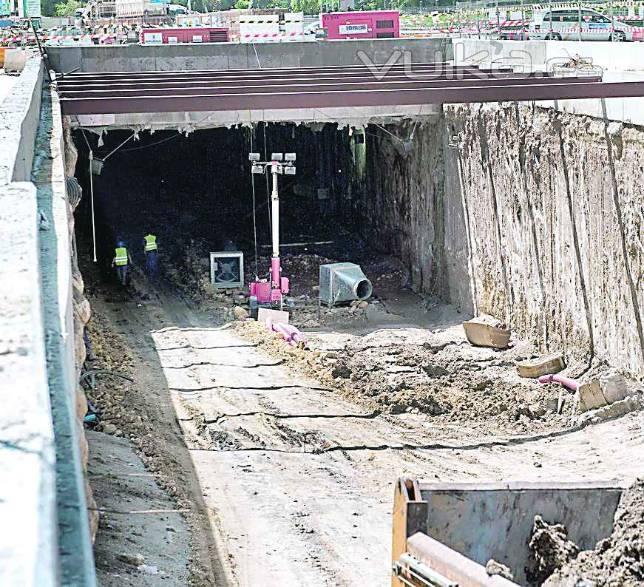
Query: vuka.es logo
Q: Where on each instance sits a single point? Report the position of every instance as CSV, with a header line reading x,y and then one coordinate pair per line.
x,y
380,71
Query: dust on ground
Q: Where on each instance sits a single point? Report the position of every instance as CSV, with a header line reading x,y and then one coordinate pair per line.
x,y
134,508
617,561
140,409
436,373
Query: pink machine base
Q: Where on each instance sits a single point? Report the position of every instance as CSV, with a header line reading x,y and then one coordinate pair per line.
x,y
266,294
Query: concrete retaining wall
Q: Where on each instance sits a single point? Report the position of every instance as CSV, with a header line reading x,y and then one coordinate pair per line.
x,y
552,204
28,546
528,214
36,354
20,114
241,56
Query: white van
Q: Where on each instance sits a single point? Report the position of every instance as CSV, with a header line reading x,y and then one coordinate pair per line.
x,y
562,24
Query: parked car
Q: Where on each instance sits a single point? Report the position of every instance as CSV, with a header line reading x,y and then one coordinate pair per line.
x,y
562,24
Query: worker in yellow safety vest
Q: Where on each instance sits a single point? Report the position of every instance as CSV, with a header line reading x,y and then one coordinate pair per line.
x,y
121,261
151,249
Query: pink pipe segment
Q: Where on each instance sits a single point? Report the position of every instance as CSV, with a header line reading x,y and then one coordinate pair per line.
x,y
279,328
296,335
565,381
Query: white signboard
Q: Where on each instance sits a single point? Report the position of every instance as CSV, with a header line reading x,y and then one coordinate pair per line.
x,y
353,29
153,38
197,38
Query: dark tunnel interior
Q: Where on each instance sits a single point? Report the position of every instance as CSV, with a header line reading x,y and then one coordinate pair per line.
x,y
200,187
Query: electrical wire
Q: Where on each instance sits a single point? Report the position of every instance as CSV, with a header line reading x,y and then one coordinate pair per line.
x,y
175,136
117,148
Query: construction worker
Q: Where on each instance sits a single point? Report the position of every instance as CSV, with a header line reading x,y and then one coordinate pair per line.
x,y
151,249
121,261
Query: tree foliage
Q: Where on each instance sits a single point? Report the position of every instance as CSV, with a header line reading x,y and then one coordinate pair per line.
x,y
67,8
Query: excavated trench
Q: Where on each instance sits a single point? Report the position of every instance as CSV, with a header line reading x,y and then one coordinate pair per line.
x,y
489,210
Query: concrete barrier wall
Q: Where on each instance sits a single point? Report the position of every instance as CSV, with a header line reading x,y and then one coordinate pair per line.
x,y
28,546
20,115
42,494
619,61
241,56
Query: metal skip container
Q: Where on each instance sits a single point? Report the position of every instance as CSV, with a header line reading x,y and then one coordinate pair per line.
x,y
343,282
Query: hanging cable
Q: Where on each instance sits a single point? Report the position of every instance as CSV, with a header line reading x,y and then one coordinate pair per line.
x,y
117,148
252,179
91,192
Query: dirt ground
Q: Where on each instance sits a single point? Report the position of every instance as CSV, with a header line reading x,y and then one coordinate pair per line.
x,y
132,508
284,459
141,411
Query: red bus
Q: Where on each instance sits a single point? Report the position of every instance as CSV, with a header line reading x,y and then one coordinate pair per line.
x,y
170,36
371,24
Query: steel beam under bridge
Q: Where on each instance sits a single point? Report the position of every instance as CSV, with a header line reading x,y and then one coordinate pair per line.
x,y
326,87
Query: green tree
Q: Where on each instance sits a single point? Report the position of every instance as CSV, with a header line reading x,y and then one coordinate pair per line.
x,y
67,8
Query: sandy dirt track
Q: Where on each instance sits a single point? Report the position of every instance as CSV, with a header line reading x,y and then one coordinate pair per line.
x,y
299,481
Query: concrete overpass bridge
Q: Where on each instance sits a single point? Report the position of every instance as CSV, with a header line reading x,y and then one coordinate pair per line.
x,y
43,498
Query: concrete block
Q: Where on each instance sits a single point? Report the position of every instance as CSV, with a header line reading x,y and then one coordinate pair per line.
x,y
590,396
487,331
15,60
610,387
266,314
615,410
546,365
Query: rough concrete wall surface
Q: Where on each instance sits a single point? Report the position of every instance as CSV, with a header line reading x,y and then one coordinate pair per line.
x,y
19,113
65,312
402,205
244,56
27,496
556,216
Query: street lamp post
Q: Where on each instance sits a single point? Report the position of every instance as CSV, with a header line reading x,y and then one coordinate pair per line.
x,y
262,291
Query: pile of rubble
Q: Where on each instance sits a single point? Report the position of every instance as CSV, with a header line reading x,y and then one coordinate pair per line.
x,y
617,560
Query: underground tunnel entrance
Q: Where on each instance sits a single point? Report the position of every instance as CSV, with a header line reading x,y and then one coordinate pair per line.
x,y
198,189
196,193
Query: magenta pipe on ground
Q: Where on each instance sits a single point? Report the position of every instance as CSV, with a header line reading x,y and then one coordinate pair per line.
x,y
279,328
565,381
296,335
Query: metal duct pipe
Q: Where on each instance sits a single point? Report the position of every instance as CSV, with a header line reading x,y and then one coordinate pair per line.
x,y
356,281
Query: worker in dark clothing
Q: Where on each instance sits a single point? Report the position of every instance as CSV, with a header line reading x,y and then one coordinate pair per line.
x,y
151,248
121,261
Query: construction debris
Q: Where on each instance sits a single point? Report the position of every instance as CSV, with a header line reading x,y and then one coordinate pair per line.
x,y
485,330
545,365
493,568
617,560
550,549
605,390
